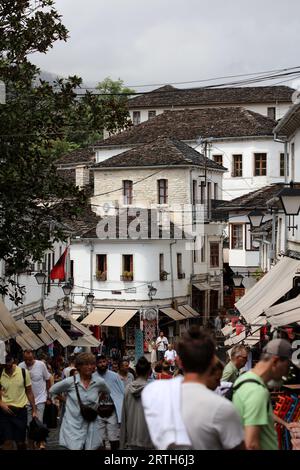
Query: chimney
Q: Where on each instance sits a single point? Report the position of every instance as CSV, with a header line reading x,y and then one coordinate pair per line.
x,y
82,176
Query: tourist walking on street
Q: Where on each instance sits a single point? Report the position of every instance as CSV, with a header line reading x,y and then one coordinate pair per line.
x,y
183,412
170,356
40,382
15,392
251,396
124,374
109,423
76,432
161,346
238,360
134,430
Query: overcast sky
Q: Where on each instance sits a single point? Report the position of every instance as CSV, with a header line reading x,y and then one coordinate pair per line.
x,y
162,41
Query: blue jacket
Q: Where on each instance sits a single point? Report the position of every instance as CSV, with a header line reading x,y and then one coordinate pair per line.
x,y
117,390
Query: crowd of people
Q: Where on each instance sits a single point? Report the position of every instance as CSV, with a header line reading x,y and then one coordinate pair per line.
x,y
109,404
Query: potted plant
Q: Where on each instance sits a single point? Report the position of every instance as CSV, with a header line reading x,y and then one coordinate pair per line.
x,y
127,276
163,275
101,275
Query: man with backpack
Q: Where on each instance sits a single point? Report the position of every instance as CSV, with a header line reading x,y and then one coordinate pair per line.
x,y
251,396
15,391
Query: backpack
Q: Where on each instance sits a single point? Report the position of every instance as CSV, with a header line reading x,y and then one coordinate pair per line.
x,y
230,391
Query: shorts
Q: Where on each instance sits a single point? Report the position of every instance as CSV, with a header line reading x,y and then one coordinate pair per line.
x,y
109,428
40,408
13,428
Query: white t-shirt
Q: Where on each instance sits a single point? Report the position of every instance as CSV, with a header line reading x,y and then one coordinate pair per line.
x,y
211,421
38,374
162,343
170,355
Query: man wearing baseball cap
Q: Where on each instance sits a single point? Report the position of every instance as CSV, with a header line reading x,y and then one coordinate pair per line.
x,y
251,396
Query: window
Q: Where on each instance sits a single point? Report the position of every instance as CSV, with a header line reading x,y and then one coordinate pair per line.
x,y
180,274
151,114
101,267
237,237
216,190
162,273
208,200
218,159
237,163
202,197
272,112
127,192
136,117
260,164
162,186
282,164
293,160
251,245
214,255
203,249
194,201
127,268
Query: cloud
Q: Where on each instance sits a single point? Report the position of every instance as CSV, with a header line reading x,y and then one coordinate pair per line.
x,y
157,41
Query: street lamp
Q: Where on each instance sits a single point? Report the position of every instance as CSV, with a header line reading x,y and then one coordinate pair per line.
x,y
40,278
237,279
255,218
67,289
290,200
151,292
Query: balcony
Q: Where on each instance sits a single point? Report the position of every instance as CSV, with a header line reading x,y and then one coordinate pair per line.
x,y
127,276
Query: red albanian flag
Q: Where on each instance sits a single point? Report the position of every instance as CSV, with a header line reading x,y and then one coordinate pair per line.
x,y
58,271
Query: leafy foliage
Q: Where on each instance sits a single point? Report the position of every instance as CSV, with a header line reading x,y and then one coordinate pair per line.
x,y
38,123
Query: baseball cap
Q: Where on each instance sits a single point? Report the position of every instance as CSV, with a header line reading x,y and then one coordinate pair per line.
x,y
279,347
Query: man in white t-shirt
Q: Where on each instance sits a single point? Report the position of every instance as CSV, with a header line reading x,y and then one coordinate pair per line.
x,y
40,381
161,346
211,421
170,356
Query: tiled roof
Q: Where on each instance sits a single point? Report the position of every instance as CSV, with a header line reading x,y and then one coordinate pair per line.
x,y
85,226
190,124
171,96
255,199
85,155
160,152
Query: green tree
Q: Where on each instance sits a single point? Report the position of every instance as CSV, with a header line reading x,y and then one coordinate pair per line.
x,y
34,122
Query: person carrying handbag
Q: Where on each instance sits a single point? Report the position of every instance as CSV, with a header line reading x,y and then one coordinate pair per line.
x,y
80,425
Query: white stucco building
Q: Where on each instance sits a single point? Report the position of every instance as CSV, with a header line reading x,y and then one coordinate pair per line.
x,y
271,101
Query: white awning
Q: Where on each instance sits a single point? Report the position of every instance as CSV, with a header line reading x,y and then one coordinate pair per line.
x,y
202,286
185,312
86,342
78,326
7,321
277,282
119,318
251,340
284,313
97,316
29,336
172,313
46,328
62,338
23,343
191,310
4,334
235,339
